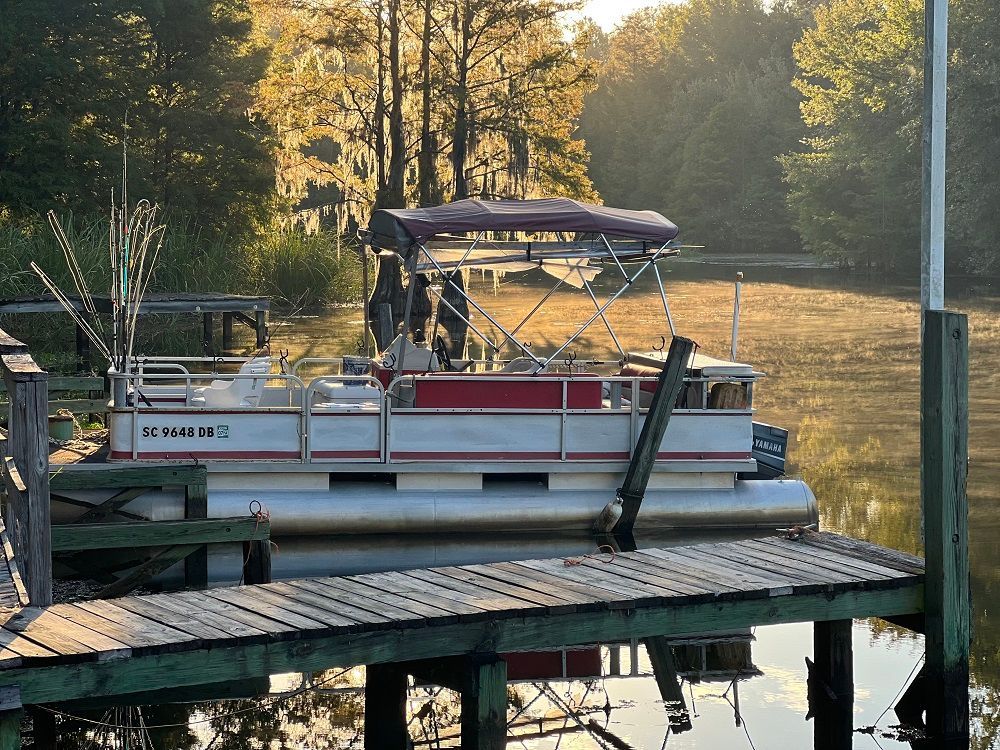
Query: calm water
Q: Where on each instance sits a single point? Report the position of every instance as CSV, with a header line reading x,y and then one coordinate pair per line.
x,y
842,357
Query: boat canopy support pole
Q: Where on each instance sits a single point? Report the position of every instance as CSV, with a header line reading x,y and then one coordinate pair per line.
x,y
486,339
615,256
666,305
607,324
600,310
536,308
508,334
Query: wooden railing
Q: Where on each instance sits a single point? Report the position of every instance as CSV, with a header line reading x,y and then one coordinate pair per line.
x,y
95,403
24,465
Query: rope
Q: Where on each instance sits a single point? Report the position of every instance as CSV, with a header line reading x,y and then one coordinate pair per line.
x,y
237,712
570,562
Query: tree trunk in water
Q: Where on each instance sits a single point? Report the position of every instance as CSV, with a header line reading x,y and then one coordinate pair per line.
x,y
388,286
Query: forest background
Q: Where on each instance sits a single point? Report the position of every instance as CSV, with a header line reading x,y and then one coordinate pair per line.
x,y
269,129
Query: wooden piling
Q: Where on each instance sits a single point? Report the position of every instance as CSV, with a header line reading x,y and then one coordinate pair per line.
x,y
227,331
10,730
831,697
207,326
27,386
260,318
944,472
257,561
385,707
196,506
484,704
651,436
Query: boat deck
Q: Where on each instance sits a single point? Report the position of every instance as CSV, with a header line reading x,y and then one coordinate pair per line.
x,y
103,648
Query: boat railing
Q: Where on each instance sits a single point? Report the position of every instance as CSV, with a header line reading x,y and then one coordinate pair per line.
x,y
124,383
561,405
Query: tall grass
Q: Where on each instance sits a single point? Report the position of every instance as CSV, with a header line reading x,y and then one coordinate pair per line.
x,y
286,264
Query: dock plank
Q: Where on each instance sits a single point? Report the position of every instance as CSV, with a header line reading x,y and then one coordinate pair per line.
x,y
558,605
826,558
421,592
142,605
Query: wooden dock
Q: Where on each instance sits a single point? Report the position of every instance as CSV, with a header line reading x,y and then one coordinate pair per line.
x,y
108,647
251,311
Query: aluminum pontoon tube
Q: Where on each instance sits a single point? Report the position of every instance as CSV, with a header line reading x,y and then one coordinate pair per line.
x,y
375,508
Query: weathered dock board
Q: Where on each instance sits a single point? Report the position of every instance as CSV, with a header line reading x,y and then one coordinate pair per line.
x,y
86,649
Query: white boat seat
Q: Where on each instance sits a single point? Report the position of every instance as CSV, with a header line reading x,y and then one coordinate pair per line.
x,y
521,364
344,391
235,392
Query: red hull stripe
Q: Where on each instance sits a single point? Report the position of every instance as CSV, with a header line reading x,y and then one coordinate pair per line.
x,y
570,455
472,455
189,455
346,454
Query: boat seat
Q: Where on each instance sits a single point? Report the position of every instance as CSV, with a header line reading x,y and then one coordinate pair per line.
x,y
521,364
235,392
341,391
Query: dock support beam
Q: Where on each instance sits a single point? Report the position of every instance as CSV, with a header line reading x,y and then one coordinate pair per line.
x,y
661,658
385,707
832,688
944,408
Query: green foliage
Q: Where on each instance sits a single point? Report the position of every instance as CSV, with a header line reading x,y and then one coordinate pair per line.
x,y
181,72
692,109
855,190
289,265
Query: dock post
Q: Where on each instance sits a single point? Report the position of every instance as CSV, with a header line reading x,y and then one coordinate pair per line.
x,y
43,727
83,359
227,331
10,730
944,408
832,691
257,561
196,506
484,704
261,327
207,325
28,387
633,488
385,707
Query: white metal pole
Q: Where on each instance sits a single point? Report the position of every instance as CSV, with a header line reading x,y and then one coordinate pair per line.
x,y
935,110
736,318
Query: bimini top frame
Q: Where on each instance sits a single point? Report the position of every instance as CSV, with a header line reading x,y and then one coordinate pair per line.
x,y
424,239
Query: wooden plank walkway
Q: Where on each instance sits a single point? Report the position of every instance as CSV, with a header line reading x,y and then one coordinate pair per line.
x,y
104,648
